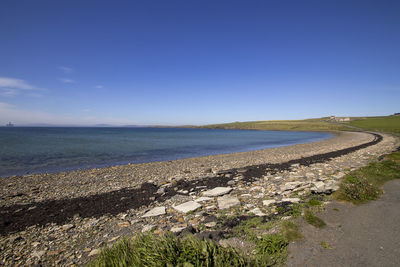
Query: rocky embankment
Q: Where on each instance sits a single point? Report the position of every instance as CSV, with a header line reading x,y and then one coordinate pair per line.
x,y
64,218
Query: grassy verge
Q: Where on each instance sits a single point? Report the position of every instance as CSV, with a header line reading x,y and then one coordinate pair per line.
x,y
169,250
365,184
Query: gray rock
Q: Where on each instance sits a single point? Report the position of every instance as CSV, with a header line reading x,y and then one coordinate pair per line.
x,y
318,187
226,202
94,252
161,191
38,254
203,199
66,227
218,191
187,206
269,202
155,212
257,212
290,186
292,200
330,187
177,230
210,224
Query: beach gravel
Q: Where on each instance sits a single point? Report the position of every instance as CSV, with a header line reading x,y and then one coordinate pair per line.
x,y
63,219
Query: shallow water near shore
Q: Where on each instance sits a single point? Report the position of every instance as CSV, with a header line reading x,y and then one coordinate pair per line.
x,y
26,150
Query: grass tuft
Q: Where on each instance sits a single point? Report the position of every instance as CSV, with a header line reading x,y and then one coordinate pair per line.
x,y
313,220
325,245
291,231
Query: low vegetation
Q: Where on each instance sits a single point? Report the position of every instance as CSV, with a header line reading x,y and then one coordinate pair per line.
x,y
168,250
312,219
388,124
288,125
365,184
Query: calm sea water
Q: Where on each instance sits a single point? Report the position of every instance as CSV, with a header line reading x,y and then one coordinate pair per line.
x,y
37,150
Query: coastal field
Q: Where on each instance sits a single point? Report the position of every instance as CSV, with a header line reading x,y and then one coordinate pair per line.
x,y
387,124
320,124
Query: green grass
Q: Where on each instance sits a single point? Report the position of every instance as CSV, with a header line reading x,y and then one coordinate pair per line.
x,y
291,231
313,220
168,250
325,245
289,125
388,124
365,184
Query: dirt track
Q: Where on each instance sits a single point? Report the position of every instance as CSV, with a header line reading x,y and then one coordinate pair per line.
x,y
365,235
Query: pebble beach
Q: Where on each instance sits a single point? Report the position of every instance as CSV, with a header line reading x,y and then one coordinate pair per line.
x,y
65,218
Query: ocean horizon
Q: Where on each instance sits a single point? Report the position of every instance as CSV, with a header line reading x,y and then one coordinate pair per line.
x,y
31,150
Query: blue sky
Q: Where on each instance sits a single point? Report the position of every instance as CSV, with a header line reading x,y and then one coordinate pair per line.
x,y
196,62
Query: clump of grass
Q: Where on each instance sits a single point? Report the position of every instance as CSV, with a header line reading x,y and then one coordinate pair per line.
x,y
291,231
246,229
313,220
168,250
271,250
295,210
314,202
325,245
365,184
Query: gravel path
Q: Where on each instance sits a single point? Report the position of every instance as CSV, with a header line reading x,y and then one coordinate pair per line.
x,y
365,235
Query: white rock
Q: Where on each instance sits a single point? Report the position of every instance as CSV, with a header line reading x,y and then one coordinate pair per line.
x,y
94,252
292,200
177,230
218,191
187,206
226,202
203,199
66,227
319,187
290,186
211,224
148,227
38,254
269,202
257,212
155,212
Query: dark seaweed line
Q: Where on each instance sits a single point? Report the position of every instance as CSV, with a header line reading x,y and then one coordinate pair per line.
x,y
18,217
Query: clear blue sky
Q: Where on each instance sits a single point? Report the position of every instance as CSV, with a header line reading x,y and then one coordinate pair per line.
x,y
197,62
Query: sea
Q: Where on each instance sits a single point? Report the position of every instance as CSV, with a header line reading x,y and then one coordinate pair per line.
x,y
28,150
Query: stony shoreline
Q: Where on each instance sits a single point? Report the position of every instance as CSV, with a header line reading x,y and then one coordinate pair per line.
x,y
63,218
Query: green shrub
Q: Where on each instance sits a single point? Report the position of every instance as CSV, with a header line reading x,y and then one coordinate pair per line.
x,y
365,184
358,190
